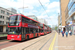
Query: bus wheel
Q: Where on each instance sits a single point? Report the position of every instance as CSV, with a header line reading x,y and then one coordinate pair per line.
x,y
37,35
27,37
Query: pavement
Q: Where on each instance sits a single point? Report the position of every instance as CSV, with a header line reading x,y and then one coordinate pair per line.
x,y
66,43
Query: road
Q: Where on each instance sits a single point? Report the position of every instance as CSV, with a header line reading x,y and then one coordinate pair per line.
x,y
46,42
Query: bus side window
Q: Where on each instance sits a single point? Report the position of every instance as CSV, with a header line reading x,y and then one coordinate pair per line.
x,y
24,30
31,30
36,30
27,30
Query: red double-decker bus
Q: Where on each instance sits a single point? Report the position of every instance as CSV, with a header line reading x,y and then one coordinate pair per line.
x,y
21,27
44,29
50,30
41,29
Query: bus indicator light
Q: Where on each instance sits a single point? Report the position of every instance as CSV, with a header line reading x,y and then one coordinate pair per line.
x,y
13,32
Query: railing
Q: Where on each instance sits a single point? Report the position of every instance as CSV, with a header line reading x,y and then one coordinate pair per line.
x,y
3,34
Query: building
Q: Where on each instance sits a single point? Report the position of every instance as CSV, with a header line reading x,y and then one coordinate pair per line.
x,y
59,24
42,21
63,5
4,16
33,17
70,11
49,25
58,20
12,10
70,15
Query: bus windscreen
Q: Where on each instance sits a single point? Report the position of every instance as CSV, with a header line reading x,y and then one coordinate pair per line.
x,y
14,30
14,20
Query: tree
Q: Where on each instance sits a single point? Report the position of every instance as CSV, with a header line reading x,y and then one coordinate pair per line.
x,y
56,27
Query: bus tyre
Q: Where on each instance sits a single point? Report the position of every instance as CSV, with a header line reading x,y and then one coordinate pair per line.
x,y
27,37
37,35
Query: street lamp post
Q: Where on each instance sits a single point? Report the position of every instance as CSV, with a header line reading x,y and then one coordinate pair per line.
x,y
23,7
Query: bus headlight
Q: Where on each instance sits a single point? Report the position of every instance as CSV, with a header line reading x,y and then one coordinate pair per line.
x,y
18,37
16,23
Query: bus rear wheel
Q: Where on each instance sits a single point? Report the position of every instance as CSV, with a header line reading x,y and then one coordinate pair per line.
x,y
37,35
27,37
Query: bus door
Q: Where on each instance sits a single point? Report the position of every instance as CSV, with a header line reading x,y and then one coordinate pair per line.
x,y
34,31
23,34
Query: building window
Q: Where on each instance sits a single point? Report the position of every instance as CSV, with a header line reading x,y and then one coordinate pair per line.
x,y
73,17
6,29
1,16
6,22
72,9
1,28
71,2
7,18
8,13
11,14
1,22
3,12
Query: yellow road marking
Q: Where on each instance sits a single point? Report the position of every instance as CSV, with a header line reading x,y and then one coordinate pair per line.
x,y
52,43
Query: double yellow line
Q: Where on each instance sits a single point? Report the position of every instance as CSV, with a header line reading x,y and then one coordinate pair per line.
x,y
52,43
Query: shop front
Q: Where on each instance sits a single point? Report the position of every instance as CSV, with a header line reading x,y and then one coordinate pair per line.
x,y
1,28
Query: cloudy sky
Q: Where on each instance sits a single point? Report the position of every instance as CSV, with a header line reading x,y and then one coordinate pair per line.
x,y
52,8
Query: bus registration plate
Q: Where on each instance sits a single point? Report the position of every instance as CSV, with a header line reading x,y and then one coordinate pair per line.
x,y
12,39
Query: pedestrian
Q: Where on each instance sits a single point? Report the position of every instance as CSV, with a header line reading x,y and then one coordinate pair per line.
x,y
74,32
66,33
70,32
59,31
63,33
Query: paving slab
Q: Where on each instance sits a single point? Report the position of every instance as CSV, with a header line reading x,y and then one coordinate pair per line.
x,y
66,43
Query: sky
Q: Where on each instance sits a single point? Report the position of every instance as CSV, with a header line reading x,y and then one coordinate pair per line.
x,y
52,8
